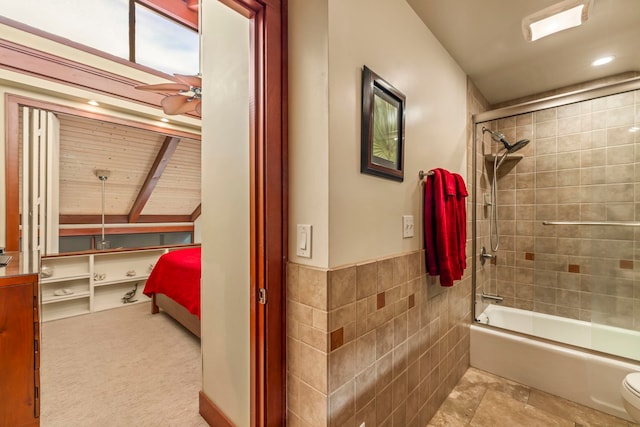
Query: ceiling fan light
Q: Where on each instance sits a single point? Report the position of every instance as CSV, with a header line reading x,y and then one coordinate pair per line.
x,y
193,5
558,17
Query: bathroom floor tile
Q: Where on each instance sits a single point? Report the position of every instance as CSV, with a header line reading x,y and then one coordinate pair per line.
x,y
481,399
498,409
582,415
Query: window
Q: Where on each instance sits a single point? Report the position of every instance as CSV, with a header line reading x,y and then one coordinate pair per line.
x,y
156,41
134,240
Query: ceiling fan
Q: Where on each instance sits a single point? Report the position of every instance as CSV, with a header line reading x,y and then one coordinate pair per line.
x,y
184,96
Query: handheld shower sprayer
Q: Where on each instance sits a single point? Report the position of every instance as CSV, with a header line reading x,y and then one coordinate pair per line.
x,y
499,137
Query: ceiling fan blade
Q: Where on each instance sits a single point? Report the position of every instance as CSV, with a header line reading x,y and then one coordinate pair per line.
x,y
177,104
194,81
198,106
164,87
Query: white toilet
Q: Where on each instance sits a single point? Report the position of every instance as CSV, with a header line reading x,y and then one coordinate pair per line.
x,y
630,391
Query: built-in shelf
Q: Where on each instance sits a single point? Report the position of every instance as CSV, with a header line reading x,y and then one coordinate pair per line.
x,y
58,298
64,279
77,273
491,157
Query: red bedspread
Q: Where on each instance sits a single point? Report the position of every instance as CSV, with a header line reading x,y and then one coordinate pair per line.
x,y
177,275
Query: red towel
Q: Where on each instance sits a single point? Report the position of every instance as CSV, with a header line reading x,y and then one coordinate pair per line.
x,y
445,226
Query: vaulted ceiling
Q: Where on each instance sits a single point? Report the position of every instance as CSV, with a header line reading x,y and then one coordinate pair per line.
x,y
153,177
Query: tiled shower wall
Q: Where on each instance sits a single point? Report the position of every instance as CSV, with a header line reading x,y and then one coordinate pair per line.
x,y
582,164
377,342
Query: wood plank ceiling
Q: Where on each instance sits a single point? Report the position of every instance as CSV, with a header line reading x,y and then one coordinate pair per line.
x,y
154,178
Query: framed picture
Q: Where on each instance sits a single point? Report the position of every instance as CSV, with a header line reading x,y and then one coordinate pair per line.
x,y
382,145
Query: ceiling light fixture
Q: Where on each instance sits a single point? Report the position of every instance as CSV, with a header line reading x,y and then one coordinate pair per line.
x,y
602,61
634,129
94,103
164,120
558,17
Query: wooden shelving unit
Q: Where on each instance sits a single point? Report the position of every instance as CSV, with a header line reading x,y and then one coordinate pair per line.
x,y
82,283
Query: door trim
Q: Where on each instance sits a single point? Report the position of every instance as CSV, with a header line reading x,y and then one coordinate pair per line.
x,y
269,204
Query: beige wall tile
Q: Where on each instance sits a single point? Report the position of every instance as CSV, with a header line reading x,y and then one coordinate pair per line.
x,y
342,405
366,279
314,337
367,415
385,274
312,367
365,351
342,316
384,405
313,406
313,287
365,387
342,287
342,365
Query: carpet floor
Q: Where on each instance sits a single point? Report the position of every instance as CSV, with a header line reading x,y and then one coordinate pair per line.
x,y
120,367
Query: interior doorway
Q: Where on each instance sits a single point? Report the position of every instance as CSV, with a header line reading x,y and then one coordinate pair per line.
x,y
223,402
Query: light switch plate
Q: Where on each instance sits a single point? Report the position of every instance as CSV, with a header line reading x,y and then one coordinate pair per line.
x,y
407,226
303,240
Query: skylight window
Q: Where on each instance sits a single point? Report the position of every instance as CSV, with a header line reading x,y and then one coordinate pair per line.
x,y
157,41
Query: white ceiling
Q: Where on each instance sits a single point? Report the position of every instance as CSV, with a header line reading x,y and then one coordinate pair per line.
x,y
485,38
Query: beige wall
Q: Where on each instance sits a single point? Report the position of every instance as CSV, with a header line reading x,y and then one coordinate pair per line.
x,y
357,216
370,338
225,207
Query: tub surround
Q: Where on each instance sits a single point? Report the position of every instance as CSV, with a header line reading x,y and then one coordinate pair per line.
x,y
579,166
377,342
580,376
618,342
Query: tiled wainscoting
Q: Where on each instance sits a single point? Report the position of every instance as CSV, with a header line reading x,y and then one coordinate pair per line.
x,y
378,342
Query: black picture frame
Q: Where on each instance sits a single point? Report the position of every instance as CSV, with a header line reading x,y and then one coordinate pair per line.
x,y
382,139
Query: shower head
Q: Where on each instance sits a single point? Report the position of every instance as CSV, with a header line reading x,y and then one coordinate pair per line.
x,y
499,137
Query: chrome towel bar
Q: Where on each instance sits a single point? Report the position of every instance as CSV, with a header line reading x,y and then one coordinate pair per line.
x,y
609,223
422,174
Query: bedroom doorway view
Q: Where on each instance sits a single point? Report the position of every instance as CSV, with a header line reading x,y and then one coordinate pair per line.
x,y
111,354
92,342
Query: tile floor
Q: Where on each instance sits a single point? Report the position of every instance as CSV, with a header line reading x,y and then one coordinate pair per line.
x,y
484,400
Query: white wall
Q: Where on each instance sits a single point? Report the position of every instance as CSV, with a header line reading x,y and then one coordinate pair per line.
x,y
355,216
225,207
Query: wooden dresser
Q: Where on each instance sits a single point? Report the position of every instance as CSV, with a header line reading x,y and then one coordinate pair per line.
x,y
19,344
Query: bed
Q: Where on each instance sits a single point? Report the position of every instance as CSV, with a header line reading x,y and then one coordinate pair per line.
x,y
174,287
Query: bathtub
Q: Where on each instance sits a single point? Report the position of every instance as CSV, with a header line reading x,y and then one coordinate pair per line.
x,y
579,375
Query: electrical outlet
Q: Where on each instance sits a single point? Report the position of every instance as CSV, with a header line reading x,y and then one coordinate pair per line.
x,y
407,226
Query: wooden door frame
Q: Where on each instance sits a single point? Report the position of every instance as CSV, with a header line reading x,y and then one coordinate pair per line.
x,y
269,205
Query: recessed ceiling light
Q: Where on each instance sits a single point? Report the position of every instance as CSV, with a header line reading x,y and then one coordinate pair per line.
x,y
634,129
164,119
602,61
94,103
558,17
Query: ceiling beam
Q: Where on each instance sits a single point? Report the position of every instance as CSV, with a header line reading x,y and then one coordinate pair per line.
x,y
162,159
196,212
122,219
